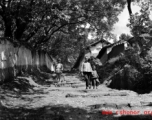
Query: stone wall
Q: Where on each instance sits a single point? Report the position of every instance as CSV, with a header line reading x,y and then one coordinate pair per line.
x,y
17,60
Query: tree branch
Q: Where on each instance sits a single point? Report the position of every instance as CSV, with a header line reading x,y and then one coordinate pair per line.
x,y
35,30
56,30
9,3
129,7
64,32
2,4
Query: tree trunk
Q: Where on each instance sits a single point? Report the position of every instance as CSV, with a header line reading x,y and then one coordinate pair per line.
x,y
79,59
8,25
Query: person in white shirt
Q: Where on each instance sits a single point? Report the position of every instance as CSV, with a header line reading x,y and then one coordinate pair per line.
x,y
59,69
86,71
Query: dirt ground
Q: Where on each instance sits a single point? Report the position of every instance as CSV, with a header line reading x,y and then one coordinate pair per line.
x,y
72,102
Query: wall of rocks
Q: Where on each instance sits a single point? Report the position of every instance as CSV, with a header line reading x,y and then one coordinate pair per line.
x,y
18,60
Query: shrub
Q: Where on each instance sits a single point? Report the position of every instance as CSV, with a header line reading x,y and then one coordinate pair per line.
x,y
131,72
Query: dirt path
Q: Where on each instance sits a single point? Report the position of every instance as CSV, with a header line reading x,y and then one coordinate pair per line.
x,y
73,102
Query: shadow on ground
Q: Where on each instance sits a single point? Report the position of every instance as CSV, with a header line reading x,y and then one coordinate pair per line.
x,y
60,112
138,117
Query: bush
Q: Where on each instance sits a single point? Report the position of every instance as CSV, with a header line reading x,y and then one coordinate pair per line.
x,y
130,72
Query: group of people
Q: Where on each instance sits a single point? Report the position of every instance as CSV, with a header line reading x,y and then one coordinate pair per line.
x,y
88,70
90,74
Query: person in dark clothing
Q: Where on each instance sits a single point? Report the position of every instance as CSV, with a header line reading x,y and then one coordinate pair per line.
x,y
95,78
92,61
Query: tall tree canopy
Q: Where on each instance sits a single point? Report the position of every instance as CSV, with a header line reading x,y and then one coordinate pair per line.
x,y
38,23
140,22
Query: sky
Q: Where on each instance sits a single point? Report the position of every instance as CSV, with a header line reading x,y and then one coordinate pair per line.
x,y
120,27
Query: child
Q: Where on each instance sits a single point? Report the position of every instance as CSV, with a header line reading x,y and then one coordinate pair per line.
x,y
95,77
59,69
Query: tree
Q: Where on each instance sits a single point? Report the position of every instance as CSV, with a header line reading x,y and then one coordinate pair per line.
x,y
124,36
135,64
36,24
129,6
139,23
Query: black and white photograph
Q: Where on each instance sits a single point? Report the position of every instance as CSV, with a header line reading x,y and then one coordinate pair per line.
x,y
75,59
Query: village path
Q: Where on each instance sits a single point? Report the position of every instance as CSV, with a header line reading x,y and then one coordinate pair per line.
x,y
73,102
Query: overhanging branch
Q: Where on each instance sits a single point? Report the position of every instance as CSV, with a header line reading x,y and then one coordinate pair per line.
x,y
129,6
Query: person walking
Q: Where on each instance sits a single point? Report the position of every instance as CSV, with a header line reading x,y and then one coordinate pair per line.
x,y
86,71
58,70
95,78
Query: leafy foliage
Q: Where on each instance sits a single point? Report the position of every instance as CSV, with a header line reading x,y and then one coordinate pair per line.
x,y
129,72
133,70
124,37
37,24
140,23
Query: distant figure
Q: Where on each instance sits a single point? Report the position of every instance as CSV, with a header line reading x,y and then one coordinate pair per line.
x,y
95,78
86,71
58,70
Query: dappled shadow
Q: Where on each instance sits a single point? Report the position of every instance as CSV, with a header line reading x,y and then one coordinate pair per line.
x,y
75,97
75,74
61,112
18,85
57,112
136,117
